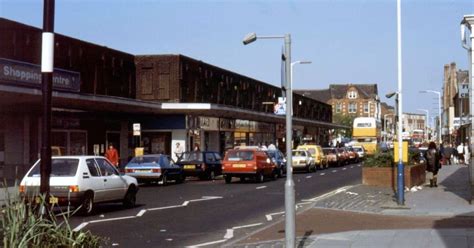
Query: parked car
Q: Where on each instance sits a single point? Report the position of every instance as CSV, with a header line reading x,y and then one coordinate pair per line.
x,y
82,181
333,156
302,160
154,168
247,163
279,159
316,153
353,156
360,150
343,155
205,165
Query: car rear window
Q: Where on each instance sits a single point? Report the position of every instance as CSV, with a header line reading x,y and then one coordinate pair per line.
x,y
240,155
299,153
60,167
191,156
141,160
312,151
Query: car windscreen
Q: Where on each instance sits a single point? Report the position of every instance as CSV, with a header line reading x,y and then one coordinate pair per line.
x,y
191,156
358,149
240,155
299,154
60,167
145,160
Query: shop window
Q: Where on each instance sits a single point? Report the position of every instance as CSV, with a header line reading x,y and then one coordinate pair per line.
x,y
352,107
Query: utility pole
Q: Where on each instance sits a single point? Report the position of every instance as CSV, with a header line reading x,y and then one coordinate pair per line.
x,y
47,68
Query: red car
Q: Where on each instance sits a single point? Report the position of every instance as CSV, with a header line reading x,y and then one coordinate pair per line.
x,y
248,163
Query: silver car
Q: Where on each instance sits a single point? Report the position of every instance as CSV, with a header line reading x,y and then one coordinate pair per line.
x,y
302,160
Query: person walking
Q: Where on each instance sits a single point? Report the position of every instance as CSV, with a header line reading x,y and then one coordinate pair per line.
x,y
460,150
112,155
447,153
433,165
467,154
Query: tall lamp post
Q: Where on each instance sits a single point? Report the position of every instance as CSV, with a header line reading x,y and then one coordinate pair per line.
x,y
468,22
439,111
289,183
47,65
426,121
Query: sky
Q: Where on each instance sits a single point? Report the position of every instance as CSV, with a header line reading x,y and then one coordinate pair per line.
x,y
348,41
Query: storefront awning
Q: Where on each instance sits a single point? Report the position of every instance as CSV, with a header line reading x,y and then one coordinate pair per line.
x,y
22,96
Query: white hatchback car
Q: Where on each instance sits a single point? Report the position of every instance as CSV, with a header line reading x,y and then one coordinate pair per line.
x,y
82,181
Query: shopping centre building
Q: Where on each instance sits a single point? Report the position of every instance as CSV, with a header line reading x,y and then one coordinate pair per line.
x,y
99,93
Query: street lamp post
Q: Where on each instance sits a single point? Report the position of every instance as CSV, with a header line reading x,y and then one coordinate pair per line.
x,y
47,67
439,111
289,183
400,167
426,121
468,22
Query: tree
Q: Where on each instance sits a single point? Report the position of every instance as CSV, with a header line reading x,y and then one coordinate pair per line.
x,y
346,120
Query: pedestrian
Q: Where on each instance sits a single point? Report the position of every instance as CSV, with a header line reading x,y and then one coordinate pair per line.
x,y
272,147
460,150
178,151
196,147
455,154
433,165
112,155
467,154
448,152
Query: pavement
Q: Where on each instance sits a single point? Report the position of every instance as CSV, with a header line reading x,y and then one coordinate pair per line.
x,y
364,216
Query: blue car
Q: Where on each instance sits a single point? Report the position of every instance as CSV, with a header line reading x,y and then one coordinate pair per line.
x,y
278,158
154,168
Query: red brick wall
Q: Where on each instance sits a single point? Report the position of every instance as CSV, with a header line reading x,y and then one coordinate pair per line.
x,y
387,176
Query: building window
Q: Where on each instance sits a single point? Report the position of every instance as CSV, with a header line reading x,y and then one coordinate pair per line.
x,y
366,107
352,107
352,94
338,107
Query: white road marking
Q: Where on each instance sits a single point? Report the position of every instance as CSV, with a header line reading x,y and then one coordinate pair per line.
x,y
358,165
163,230
247,226
309,177
334,192
168,207
141,213
269,216
78,228
229,234
352,166
185,203
351,193
169,239
261,187
322,174
208,243
112,219
344,168
334,171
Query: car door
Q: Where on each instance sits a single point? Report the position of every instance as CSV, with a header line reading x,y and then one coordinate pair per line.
x,y
93,180
218,163
210,161
114,185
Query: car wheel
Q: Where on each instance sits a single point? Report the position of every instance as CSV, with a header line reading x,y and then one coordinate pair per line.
x,y
259,177
212,175
164,180
242,179
309,168
280,173
130,198
275,174
228,179
87,206
181,178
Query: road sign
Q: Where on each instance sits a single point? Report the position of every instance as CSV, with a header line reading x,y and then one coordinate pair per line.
x,y
136,129
280,107
463,90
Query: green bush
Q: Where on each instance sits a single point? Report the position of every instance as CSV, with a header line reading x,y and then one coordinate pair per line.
x,y
379,159
23,225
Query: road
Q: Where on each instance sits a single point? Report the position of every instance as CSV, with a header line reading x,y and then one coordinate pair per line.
x,y
207,213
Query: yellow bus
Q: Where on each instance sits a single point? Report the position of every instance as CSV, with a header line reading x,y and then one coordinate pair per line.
x,y
366,133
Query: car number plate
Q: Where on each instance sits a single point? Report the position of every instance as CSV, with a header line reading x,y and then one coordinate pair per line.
x,y
53,200
239,165
189,167
143,171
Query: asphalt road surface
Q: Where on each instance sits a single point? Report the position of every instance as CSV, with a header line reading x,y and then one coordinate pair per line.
x,y
207,213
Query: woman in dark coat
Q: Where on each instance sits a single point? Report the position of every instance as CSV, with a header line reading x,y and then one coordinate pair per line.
x,y
432,164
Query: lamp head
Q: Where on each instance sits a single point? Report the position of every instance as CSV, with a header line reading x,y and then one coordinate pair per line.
x,y
391,94
249,38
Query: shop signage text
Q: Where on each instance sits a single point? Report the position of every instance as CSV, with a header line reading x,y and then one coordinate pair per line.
x,y
17,72
463,90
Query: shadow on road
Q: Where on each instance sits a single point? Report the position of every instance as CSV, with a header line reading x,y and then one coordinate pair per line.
x,y
455,185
